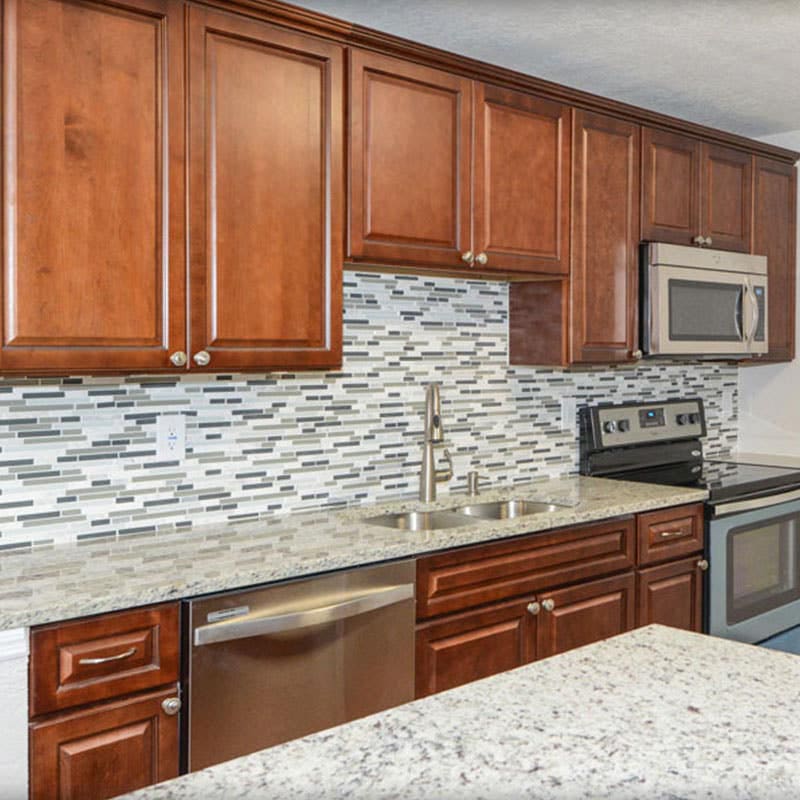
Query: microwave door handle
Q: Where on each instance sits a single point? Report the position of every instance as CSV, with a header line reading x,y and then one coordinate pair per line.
x,y
738,310
756,313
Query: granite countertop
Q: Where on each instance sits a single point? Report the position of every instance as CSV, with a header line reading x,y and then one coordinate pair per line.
x,y
656,713
67,581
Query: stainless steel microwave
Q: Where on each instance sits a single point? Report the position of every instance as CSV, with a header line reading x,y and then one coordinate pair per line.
x,y
703,303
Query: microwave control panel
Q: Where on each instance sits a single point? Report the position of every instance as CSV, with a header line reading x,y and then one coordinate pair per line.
x,y
642,423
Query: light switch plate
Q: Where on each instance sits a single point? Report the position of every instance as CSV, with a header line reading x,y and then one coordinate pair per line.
x,y
568,414
171,437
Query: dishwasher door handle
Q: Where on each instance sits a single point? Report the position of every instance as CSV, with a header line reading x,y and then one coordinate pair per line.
x,y
256,624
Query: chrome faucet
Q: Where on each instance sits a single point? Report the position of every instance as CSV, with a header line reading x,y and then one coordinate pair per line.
x,y
429,476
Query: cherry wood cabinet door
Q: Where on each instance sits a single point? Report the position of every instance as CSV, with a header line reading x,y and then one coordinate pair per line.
x,y
93,240
585,613
266,188
726,198
106,750
670,187
465,647
774,236
605,238
521,182
410,155
671,594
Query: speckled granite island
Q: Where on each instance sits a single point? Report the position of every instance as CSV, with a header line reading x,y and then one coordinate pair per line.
x,y
655,713
58,583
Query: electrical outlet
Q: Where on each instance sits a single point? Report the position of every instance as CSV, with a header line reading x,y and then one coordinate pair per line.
x,y
568,414
171,437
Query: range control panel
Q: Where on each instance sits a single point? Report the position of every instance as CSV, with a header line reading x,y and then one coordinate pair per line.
x,y
610,426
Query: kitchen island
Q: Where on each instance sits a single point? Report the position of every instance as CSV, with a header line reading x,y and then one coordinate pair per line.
x,y
655,713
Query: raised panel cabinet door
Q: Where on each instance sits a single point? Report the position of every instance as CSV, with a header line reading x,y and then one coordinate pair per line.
x,y
774,236
521,182
104,751
671,594
266,185
726,197
670,187
93,238
465,647
410,155
605,238
585,613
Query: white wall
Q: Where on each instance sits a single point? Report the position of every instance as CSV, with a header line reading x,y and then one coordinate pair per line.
x,y
14,715
769,396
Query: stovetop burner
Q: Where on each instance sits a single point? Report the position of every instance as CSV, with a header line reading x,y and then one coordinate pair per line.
x,y
660,443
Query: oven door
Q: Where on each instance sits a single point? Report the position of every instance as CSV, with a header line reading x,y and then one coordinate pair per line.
x,y
754,575
704,312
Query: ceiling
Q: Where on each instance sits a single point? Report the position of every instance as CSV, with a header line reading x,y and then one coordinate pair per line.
x,y
731,64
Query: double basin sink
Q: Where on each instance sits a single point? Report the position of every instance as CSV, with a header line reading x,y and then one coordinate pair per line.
x,y
463,515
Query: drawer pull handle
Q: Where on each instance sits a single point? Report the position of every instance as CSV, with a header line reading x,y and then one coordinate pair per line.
x,y
668,534
118,657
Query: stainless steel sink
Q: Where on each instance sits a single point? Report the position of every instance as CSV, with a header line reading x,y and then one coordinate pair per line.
x,y
421,520
508,509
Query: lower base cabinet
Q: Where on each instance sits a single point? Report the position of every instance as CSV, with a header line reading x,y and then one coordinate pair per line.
x,y
585,613
105,751
672,594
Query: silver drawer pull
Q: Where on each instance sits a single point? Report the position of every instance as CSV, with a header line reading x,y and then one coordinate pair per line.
x,y
118,657
668,534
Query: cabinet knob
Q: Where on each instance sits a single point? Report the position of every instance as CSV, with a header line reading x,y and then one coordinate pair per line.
x,y
202,359
702,565
171,706
482,259
548,605
709,241
699,240
636,355
178,358
468,257
534,608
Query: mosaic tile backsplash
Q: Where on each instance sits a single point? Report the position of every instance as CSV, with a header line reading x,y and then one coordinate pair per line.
x,y
78,456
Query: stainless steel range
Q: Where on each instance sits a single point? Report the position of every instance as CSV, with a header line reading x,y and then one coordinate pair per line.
x,y
752,515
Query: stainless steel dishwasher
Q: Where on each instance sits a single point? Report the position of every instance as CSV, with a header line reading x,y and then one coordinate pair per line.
x,y
274,663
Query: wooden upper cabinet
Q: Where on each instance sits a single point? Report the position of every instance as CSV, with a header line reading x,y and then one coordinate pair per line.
x,y
93,267
410,159
726,197
670,187
605,238
774,223
521,182
266,195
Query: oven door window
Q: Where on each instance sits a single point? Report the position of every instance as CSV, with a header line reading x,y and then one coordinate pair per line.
x,y
702,311
763,568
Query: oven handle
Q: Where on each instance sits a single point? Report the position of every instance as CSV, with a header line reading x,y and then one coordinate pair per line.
x,y
260,624
756,503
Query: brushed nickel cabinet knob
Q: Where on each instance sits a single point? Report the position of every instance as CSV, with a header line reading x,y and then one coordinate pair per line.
x,y
202,359
534,608
637,354
179,358
709,241
468,257
171,706
702,565
699,240
482,259
548,605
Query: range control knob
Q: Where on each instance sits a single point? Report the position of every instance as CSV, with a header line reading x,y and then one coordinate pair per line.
x,y
694,419
610,426
683,419
624,425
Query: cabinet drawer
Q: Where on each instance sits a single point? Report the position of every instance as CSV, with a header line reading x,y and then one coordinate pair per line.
x,y
101,657
670,533
105,751
472,576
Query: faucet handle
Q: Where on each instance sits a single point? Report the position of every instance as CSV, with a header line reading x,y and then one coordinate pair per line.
x,y
473,482
445,474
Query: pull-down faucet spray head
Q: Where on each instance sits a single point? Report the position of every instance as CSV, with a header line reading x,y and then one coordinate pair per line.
x,y
433,415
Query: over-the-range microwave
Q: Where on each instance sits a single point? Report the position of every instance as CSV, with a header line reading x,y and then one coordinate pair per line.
x,y
699,303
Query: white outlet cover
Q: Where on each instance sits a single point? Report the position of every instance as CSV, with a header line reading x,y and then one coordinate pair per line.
x,y
171,437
